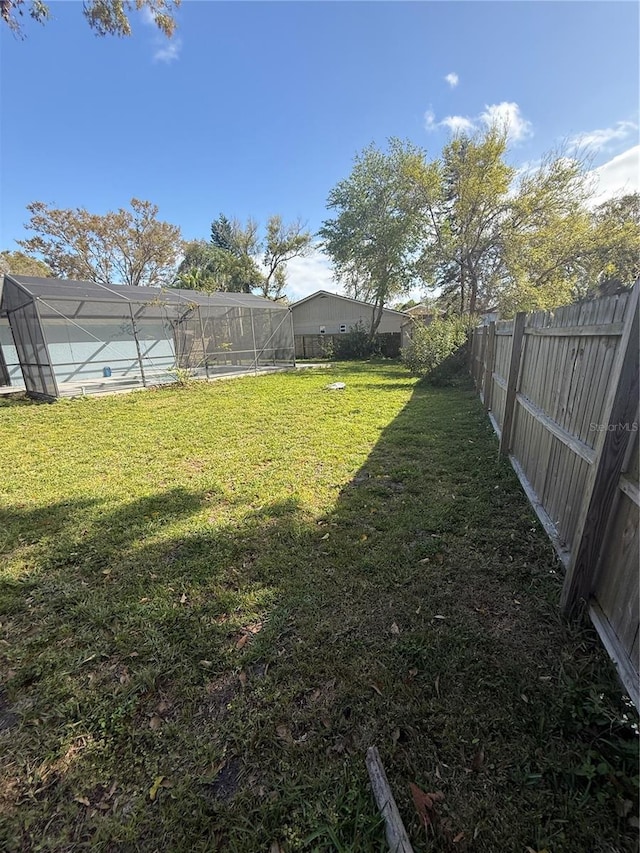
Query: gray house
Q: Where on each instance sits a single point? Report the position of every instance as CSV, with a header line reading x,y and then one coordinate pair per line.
x,y
323,316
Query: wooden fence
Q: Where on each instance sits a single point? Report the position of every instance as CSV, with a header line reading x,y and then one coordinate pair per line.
x,y
561,390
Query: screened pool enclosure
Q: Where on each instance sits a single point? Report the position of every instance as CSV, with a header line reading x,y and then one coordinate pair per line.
x,y
64,338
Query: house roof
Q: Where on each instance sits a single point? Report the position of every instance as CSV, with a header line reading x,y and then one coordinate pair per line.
x,y
54,288
323,293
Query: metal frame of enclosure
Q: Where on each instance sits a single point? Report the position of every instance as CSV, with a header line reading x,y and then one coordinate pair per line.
x,y
65,338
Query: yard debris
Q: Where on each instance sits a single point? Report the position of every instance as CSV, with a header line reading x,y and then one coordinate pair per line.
x,y
242,641
478,760
396,834
395,630
426,805
336,386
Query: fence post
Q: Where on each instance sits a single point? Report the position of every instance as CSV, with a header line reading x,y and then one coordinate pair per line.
x,y
489,366
621,406
512,383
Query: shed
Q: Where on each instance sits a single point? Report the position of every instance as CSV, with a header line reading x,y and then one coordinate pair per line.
x,y
323,315
62,338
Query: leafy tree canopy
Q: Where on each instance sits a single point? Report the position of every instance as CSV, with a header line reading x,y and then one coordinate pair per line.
x,y
131,247
20,264
105,17
375,232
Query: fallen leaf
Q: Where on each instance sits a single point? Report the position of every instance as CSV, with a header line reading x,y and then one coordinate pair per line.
x,y
436,684
275,847
155,722
413,672
375,687
106,571
458,837
207,664
364,537
153,790
183,598
284,733
395,630
242,678
437,616
326,536
478,760
242,642
525,698
82,800
255,628
142,600
395,736
425,805
163,706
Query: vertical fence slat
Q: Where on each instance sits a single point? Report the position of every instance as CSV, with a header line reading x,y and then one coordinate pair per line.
x,y
489,366
512,382
611,446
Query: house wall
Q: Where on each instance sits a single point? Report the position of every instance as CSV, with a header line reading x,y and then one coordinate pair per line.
x,y
332,311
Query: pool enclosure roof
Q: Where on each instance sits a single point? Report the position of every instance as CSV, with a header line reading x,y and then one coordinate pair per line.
x,y
53,288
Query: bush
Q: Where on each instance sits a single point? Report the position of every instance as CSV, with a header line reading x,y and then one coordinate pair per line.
x,y
438,352
355,343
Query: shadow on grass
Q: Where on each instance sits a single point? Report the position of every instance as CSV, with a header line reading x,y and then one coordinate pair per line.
x,y
214,686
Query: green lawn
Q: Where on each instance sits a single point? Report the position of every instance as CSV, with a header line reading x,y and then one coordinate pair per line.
x,y
214,599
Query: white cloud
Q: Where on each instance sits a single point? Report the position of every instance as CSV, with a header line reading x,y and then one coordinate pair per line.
x,y
458,124
430,120
599,139
165,49
617,176
452,79
506,115
306,275
168,51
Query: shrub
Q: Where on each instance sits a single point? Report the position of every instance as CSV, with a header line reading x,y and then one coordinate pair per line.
x,y
356,343
438,351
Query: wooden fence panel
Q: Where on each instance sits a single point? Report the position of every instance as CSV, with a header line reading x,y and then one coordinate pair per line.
x,y
554,381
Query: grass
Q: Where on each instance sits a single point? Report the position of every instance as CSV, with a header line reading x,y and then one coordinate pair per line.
x,y
214,599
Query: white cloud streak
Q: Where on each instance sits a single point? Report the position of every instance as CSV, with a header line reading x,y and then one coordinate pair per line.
x,y
618,176
168,52
165,50
452,79
505,115
306,275
601,138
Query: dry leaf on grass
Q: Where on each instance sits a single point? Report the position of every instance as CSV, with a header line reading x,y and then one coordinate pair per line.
x,y
242,642
375,686
478,760
183,598
243,678
426,805
155,722
284,733
458,837
395,630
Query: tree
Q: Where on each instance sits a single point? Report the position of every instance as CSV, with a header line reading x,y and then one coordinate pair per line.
x,y
236,248
105,17
518,240
282,244
120,247
376,231
616,257
20,264
464,196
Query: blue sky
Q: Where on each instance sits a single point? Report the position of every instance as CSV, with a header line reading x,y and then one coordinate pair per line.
x,y
258,108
